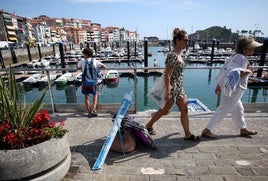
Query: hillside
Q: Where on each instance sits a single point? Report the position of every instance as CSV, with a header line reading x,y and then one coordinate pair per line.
x,y
215,32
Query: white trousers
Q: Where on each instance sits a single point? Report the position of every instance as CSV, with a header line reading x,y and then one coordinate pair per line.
x,y
232,104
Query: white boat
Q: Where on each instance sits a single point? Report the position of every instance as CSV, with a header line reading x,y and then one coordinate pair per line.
x,y
44,80
64,79
32,79
195,105
112,76
43,63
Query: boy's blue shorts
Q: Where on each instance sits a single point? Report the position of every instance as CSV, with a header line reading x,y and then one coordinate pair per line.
x,y
89,90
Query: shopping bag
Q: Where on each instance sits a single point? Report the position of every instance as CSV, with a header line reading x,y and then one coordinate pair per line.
x,y
158,92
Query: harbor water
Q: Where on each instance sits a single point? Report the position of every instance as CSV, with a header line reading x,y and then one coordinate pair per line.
x,y
198,83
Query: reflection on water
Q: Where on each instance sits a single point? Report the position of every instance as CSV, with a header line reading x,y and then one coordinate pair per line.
x,y
198,88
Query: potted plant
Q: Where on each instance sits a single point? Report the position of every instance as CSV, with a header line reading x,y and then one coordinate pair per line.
x,y
31,145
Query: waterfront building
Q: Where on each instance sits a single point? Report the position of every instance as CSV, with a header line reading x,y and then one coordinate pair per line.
x,y
45,31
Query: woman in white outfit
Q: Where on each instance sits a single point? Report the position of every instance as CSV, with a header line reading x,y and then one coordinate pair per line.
x,y
232,83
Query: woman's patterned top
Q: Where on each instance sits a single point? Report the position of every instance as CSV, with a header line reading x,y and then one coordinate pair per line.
x,y
177,92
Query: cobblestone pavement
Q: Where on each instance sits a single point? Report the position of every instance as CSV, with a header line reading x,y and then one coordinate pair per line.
x,y
227,158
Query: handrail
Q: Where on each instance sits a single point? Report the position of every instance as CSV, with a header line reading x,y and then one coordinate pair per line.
x,y
135,71
117,68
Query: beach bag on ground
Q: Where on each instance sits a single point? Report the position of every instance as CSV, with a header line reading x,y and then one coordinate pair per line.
x,y
89,76
139,131
136,130
124,142
158,92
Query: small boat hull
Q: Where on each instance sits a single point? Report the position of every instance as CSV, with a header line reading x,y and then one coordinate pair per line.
x,y
31,80
112,76
195,105
64,79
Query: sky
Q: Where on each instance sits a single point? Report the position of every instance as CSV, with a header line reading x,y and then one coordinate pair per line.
x,y
151,17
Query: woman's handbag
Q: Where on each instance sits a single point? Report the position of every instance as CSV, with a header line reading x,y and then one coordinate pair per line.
x,y
158,92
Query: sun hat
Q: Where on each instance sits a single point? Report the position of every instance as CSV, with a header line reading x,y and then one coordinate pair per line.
x,y
254,44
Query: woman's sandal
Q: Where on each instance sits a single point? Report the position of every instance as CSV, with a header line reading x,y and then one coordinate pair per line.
x,y
151,131
192,138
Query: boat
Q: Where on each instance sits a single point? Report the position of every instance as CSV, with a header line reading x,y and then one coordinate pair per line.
x,y
112,76
64,79
44,80
257,81
32,79
44,63
195,105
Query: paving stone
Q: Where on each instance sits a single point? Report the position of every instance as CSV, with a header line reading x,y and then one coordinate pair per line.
x,y
222,170
228,158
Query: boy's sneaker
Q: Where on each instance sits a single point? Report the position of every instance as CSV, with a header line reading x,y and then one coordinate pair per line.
x,y
93,114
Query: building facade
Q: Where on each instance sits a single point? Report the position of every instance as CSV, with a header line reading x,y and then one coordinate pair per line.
x,y
45,31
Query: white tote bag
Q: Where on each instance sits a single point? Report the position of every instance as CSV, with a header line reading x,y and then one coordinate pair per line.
x,y
158,92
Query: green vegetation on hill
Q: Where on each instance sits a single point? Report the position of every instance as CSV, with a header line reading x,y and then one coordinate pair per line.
x,y
223,34
214,32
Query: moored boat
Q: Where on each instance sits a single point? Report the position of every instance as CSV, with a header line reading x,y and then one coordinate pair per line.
x,y
64,79
32,79
44,80
112,76
195,105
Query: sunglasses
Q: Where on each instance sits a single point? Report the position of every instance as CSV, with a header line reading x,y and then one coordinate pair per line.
x,y
185,40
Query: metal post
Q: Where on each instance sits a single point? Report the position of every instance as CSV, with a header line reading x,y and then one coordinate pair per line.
x,y
128,51
135,89
145,53
218,44
135,49
95,48
39,52
212,51
263,56
62,57
2,60
29,53
13,54
50,92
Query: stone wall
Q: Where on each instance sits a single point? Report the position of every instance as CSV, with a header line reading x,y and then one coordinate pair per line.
x,y
22,53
